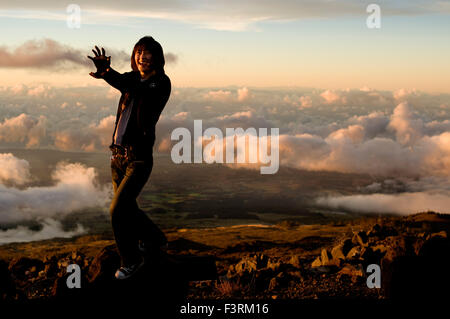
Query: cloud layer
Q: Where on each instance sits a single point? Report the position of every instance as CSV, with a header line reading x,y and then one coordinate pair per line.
x,y
388,135
51,228
74,188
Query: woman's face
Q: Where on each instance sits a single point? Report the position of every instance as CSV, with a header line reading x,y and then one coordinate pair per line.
x,y
143,59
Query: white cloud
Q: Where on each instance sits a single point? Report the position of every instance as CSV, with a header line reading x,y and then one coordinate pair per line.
x,y
243,94
404,203
24,129
408,127
75,188
51,228
13,169
219,95
332,97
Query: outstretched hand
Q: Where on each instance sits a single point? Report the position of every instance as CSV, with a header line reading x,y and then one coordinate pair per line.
x,y
101,62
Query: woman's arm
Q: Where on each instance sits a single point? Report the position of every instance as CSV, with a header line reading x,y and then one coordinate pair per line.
x,y
122,82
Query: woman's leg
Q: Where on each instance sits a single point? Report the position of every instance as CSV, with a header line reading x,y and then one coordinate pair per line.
x,y
124,216
148,231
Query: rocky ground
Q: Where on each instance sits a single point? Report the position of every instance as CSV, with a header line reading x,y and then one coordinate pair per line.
x,y
283,261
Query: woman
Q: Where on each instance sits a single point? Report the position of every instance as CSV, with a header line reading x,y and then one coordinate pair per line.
x,y
145,92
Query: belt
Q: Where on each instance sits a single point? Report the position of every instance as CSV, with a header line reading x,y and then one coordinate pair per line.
x,y
119,151
127,152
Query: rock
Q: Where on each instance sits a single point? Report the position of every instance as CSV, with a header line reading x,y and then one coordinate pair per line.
x,y
360,238
381,232
437,246
7,286
50,270
280,281
380,248
416,270
325,257
19,266
262,279
441,234
354,253
297,275
374,231
104,265
324,269
295,261
316,263
354,271
272,264
246,264
251,264
369,256
63,263
341,250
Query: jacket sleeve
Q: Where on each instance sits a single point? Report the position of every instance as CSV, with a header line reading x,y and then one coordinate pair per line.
x,y
121,81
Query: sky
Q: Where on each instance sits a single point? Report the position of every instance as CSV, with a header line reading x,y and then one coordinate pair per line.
x,y
323,44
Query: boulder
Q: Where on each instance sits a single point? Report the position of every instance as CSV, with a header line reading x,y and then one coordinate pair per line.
x,y
354,271
325,257
316,263
273,264
295,261
341,250
280,281
19,266
381,232
7,286
360,238
251,263
354,253
104,266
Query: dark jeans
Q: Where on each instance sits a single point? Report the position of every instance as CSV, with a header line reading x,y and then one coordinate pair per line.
x,y
130,224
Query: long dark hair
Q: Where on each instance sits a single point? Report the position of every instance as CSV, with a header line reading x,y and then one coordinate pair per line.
x,y
153,46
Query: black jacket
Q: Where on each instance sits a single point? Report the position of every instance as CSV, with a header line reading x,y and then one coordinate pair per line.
x,y
150,97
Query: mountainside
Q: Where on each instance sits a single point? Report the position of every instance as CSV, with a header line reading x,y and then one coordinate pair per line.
x,y
283,261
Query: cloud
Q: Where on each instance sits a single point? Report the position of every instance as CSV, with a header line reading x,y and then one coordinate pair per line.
x,y
219,95
243,94
408,127
51,228
13,169
24,129
405,203
95,137
39,54
358,148
75,188
230,15
52,55
331,97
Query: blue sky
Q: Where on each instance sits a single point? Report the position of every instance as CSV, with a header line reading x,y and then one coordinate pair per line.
x,y
292,43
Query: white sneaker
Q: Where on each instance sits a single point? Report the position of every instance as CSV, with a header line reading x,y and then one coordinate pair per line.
x,y
127,272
